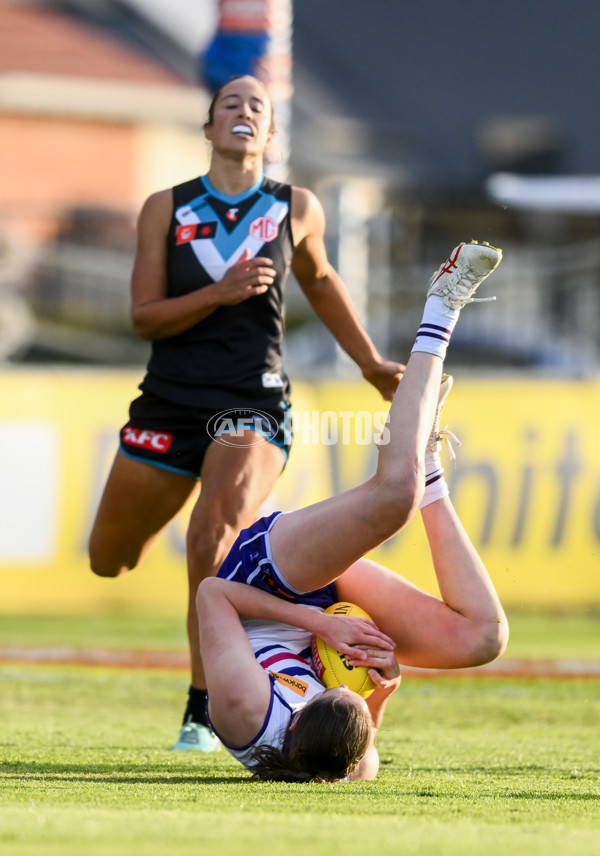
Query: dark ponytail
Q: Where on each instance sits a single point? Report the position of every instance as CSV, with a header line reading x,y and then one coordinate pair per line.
x,y
328,740
272,765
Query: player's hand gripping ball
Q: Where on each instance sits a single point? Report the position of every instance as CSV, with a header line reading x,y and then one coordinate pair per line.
x,y
332,668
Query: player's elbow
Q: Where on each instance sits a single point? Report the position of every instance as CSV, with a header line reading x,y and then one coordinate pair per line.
x,y
140,325
206,592
367,767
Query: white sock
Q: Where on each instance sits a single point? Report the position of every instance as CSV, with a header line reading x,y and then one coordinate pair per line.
x,y
436,327
435,483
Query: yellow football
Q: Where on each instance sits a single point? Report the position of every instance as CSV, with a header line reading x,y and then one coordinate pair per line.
x,y
332,667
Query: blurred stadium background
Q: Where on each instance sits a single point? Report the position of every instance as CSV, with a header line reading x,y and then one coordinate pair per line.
x,y
418,125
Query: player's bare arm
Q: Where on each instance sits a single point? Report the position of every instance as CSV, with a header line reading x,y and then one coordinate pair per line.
x,y
341,632
239,687
328,296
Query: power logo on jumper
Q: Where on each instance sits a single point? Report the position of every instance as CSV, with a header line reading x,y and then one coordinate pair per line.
x,y
195,231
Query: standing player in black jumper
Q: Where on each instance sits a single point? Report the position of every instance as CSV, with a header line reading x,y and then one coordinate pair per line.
x,y
207,290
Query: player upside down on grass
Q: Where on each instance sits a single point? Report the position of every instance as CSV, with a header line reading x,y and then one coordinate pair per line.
x,y
264,699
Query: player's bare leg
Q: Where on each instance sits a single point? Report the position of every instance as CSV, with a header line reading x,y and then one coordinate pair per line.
x,y
313,546
137,503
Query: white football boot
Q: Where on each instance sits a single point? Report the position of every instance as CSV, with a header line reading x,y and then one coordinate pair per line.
x,y
463,272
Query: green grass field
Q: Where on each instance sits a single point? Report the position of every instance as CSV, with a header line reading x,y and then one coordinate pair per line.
x,y
469,765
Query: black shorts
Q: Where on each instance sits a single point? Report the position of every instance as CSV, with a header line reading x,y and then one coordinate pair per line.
x,y
176,437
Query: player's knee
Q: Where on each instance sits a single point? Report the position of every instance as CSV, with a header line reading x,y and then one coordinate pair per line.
x,y
491,639
398,494
497,637
104,570
103,564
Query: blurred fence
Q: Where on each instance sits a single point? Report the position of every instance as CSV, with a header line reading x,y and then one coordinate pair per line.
x,y
545,316
67,299
74,286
